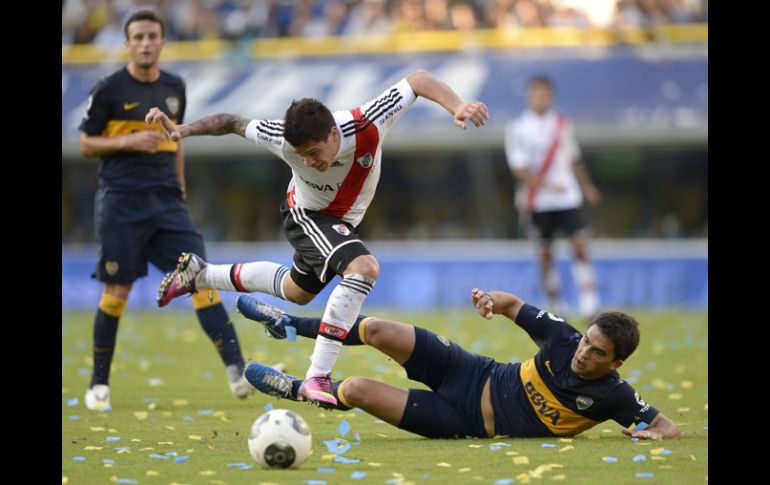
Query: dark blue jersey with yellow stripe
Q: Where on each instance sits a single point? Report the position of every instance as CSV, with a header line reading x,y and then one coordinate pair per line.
x,y
543,397
117,106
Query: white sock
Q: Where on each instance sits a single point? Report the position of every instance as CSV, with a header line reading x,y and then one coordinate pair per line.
x,y
588,293
552,284
262,276
342,309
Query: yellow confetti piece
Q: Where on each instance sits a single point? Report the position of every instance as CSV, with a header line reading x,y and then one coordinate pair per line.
x,y
374,464
474,446
511,453
444,464
400,476
321,415
329,456
500,443
674,396
643,443
165,442
382,435
706,407
606,431
566,448
686,384
195,437
520,460
593,437
211,447
658,457
659,383
656,451
179,402
112,430
89,448
189,450
97,428
114,478
522,477
658,348
135,440
108,465
175,483
171,428
565,440
224,418
463,470
558,477
64,478
683,410
146,449
124,450
693,457
140,415
207,473
218,482
167,414
152,406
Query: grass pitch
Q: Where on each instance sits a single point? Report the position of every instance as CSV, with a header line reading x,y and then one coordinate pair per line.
x,y
174,420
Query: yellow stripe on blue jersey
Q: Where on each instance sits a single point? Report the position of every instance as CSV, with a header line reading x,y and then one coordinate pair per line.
x,y
561,420
126,127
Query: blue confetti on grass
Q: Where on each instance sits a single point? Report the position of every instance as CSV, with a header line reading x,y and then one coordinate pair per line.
x,y
84,371
503,481
206,412
343,428
645,475
291,333
547,445
394,481
107,461
74,417
610,459
356,436
347,461
268,407
245,467
494,447
358,410
160,457
639,458
79,458
187,418
122,448
72,402
666,452
112,438
315,482
357,475
125,480
180,459
641,426
326,470
236,465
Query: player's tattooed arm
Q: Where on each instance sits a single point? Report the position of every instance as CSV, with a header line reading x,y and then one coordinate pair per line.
x,y
214,125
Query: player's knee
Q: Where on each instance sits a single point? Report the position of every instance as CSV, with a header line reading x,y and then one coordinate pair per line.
x,y
356,391
376,330
120,291
366,265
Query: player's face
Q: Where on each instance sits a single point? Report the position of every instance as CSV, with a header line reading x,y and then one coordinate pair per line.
x,y
540,98
144,43
320,154
595,355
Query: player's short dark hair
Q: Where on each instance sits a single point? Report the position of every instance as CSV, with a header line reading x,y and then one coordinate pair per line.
x,y
541,81
622,329
305,120
145,15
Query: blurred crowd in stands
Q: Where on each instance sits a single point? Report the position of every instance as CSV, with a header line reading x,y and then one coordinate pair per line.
x,y
101,21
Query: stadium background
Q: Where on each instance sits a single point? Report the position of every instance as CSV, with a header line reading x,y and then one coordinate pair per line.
x,y
633,75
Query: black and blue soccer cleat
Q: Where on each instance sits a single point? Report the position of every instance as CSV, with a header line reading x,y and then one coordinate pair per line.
x,y
272,318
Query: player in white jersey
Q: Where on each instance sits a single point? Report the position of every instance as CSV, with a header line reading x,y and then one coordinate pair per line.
x,y
545,159
336,161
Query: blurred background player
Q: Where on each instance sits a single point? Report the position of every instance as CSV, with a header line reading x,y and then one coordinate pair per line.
x,y
336,160
141,210
544,157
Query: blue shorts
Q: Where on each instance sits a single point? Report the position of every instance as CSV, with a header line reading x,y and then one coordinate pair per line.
x,y
456,377
134,228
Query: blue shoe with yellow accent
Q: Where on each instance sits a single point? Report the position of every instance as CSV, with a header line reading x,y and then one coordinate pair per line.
x,y
271,317
272,382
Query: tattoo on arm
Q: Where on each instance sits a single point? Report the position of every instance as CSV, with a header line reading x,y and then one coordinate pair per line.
x,y
219,124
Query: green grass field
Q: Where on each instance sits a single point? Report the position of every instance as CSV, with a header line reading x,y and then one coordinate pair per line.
x,y
174,420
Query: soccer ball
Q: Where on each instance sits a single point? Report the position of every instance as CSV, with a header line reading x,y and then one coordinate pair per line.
x,y
280,439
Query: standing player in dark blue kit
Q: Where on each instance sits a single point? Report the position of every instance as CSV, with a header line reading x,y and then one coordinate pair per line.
x,y
141,211
570,385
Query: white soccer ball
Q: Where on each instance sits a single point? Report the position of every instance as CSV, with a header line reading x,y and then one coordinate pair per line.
x,y
280,439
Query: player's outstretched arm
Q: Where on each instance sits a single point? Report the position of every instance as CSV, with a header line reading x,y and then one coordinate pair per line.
x,y
496,302
661,428
215,125
429,86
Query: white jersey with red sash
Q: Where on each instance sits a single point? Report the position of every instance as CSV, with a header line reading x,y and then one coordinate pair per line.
x,y
545,145
347,187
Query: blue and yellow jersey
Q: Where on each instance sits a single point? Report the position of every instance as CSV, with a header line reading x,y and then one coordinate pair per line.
x,y
543,397
117,106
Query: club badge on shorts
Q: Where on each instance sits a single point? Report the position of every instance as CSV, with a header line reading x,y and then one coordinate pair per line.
x,y
111,267
341,229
